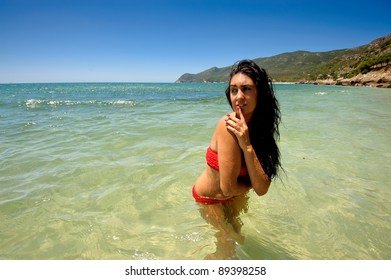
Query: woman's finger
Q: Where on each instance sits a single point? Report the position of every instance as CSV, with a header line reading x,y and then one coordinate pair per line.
x,y
241,115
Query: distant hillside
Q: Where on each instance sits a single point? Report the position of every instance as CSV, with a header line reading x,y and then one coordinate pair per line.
x,y
315,67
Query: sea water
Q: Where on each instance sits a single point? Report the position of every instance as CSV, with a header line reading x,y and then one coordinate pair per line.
x,y
105,171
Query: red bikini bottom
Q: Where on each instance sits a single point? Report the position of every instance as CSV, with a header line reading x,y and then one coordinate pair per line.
x,y
205,200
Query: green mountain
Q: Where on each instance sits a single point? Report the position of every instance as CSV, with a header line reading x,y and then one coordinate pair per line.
x,y
307,66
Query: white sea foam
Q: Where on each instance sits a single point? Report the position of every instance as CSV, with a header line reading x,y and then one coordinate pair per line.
x,y
124,102
33,103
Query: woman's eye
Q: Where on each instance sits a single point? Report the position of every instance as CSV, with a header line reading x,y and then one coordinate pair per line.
x,y
234,90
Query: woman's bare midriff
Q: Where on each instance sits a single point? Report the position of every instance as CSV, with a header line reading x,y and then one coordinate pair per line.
x,y
208,185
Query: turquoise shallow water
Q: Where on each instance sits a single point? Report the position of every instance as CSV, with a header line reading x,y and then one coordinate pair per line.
x,y
104,171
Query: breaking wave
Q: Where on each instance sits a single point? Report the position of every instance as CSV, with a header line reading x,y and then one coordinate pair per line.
x,y
33,103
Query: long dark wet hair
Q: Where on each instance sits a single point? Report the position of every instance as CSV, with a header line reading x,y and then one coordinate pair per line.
x,y
266,118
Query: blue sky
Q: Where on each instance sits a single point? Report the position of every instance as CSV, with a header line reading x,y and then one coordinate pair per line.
x,y
157,41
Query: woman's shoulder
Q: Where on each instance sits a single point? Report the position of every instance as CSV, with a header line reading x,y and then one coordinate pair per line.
x,y
223,119
221,125
222,134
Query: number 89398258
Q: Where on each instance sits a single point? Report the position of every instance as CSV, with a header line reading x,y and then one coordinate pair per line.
x,y
233,270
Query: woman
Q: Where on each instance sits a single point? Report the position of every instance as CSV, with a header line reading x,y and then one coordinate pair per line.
x,y
242,155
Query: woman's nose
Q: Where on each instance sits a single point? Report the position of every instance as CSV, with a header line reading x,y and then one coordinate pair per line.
x,y
240,95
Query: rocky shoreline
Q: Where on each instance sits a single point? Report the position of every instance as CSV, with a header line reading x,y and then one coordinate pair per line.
x,y
379,79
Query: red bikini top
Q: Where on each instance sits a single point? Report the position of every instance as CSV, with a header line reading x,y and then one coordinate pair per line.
x,y
213,162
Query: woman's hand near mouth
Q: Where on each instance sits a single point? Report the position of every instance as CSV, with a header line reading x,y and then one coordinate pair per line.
x,y
238,126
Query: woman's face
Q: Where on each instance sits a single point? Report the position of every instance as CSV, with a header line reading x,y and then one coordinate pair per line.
x,y
243,94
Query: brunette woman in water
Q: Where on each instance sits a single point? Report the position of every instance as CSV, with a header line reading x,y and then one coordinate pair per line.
x,y
243,154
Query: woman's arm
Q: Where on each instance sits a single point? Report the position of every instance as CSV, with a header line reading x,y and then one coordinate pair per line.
x,y
259,179
230,162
